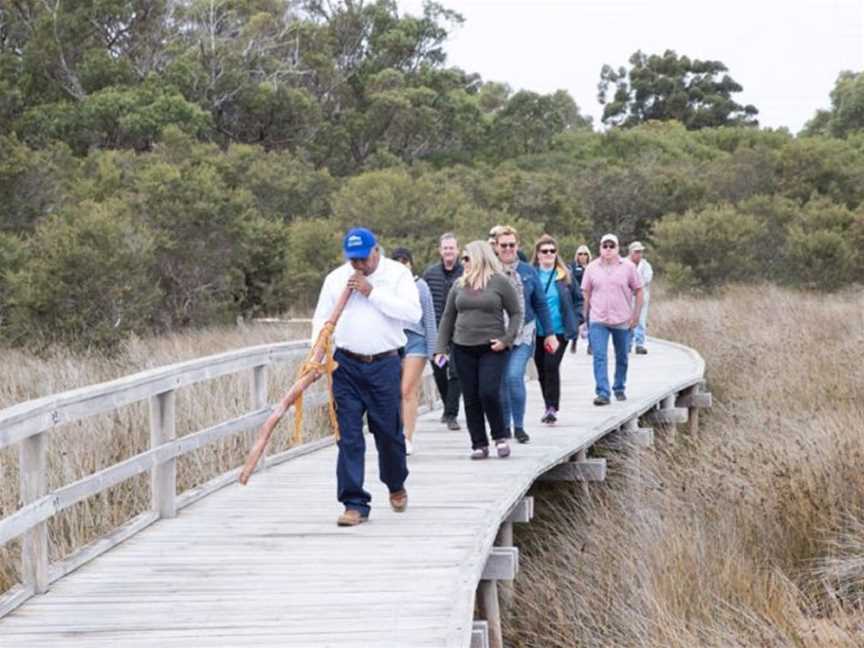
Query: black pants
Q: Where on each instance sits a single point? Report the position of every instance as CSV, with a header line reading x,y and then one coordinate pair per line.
x,y
447,381
480,370
548,371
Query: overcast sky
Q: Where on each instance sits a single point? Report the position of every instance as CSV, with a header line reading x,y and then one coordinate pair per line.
x,y
785,53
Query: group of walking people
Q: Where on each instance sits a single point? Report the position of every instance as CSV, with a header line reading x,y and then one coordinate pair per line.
x,y
480,315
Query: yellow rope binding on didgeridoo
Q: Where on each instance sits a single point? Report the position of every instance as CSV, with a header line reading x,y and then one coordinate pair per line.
x,y
327,366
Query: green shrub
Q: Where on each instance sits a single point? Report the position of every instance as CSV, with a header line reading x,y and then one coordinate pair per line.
x,y
403,210
719,244
821,249
12,257
88,279
314,249
679,278
820,259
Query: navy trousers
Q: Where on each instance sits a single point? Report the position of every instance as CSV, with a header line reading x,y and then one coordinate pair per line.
x,y
372,389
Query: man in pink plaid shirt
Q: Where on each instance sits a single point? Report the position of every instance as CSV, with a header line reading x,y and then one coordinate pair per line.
x,y
609,285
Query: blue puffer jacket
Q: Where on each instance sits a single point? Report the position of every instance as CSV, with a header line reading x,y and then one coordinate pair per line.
x,y
535,300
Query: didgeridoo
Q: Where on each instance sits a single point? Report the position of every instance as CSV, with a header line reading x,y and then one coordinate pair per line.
x,y
316,356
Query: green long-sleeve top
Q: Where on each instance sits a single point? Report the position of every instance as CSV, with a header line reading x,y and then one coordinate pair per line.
x,y
474,317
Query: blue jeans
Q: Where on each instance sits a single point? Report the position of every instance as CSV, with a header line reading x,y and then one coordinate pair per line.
x,y
598,336
513,394
639,331
372,389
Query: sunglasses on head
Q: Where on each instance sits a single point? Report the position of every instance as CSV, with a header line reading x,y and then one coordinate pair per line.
x,y
608,246
507,245
547,251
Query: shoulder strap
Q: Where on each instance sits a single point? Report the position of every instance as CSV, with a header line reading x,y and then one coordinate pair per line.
x,y
549,280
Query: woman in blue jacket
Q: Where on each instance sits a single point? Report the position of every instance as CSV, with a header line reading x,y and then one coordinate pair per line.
x,y
523,277
564,300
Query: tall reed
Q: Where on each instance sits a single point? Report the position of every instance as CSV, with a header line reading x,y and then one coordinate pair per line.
x,y
747,535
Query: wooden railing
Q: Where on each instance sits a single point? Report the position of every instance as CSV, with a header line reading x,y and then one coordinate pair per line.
x,y
28,424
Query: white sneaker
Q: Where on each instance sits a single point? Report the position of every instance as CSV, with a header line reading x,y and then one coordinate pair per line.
x,y
409,447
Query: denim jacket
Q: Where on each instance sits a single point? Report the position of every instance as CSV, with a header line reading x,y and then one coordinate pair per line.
x,y
535,300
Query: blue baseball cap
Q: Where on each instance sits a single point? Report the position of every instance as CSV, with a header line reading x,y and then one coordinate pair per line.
x,y
358,243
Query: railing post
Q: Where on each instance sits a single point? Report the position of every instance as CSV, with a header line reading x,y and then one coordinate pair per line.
x,y
258,387
505,539
667,404
582,456
34,484
163,477
487,602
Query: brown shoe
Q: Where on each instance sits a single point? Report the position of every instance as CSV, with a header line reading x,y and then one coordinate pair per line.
x,y
351,517
399,500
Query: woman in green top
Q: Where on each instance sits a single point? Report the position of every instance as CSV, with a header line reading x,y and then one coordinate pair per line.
x,y
474,321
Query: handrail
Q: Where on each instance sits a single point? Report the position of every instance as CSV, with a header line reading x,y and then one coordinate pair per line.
x,y
24,420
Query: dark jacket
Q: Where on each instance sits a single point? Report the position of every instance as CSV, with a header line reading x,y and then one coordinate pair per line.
x,y
440,281
571,300
571,307
576,271
535,300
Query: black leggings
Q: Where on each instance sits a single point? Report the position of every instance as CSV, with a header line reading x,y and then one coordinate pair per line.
x,y
480,371
548,371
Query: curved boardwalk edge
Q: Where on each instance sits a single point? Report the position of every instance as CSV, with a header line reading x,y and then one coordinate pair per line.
x,y
266,565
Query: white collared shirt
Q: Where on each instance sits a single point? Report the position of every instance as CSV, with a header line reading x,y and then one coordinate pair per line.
x,y
647,274
371,324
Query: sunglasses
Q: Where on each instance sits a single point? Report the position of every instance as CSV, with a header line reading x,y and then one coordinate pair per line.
x,y
582,254
609,246
465,259
507,245
548,251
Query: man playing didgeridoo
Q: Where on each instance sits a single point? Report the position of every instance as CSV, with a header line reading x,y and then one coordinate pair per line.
x,y
367,381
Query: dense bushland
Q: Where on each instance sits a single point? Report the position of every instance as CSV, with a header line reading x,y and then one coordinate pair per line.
x,y
173,164
190,234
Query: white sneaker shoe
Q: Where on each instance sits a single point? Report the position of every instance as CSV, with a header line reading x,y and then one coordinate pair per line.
x,y
409,447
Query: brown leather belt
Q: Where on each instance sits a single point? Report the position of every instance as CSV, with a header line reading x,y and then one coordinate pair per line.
x,y
369,359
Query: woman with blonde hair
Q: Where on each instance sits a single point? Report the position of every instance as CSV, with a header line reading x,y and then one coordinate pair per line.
x,y
474,322
577,268
564,299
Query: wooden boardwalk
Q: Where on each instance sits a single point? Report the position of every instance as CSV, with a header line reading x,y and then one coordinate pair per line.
x,y
266,565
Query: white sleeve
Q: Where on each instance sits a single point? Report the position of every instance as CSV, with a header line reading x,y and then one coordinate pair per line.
x,y
647,274
401,300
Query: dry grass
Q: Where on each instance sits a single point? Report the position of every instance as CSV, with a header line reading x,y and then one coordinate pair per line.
x,y
80,449
751,534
